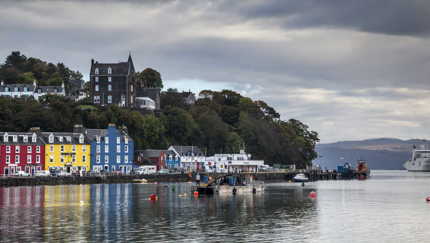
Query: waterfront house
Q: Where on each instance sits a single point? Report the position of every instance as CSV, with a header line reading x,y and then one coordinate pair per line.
x,y
112,149
190,158
21,151
232,163
158,157
67,151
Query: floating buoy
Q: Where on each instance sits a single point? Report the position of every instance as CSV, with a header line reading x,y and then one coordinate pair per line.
x,y
313,194
153,197
196,194
428,199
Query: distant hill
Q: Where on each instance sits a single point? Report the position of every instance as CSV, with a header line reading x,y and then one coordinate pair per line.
x,y
380,153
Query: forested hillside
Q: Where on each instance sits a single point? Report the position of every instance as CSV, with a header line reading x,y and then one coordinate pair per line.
x,y
224,122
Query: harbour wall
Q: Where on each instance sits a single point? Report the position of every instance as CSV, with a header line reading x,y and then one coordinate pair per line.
x,y
98,179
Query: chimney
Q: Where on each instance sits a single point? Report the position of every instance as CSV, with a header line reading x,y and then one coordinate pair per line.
x,y
78,128
92,62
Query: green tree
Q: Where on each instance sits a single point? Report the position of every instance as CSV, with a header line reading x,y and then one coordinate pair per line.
x,y
150,78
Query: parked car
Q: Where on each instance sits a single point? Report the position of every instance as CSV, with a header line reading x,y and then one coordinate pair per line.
x,y
63,173
22,173
146,170
42,173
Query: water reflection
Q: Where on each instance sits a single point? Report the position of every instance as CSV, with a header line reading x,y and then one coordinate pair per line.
x,y
123,212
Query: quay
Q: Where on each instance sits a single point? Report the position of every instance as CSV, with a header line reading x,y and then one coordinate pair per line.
x,y
177,177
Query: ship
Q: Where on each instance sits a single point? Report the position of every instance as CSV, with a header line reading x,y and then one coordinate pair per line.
x,y
420,160
362,171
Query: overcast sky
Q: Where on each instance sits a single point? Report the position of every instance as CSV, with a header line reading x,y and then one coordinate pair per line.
x,y
350,69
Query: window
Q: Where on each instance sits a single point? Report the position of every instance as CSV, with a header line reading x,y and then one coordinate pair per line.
x,y
107,140
98,149
109,101
81,138
109,79
118,159
38,159
131,100
14,138
51,159
106,159
37,149
126,159
25,139
15,89
96,79
96,71
16,159
6,89
33,138
74,148
62,158
51,148
98,139
97,99
25,89
126,148
60,138
97,88
6,138
17,149
118,148
7,149
7,159
125,139
51,138
106,148
84,158
109,70
131,88
62,148
110,87
118,140
84,148
28,159
73,158
29,149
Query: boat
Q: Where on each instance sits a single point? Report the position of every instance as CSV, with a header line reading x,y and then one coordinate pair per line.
x,y
229,184
300,178
363,171
346,171
420,160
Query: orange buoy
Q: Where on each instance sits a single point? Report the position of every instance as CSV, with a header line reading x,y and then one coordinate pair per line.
x,y
313,194
153,197
196,193
428,199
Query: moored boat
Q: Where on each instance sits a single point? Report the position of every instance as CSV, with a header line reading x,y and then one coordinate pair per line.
x,y
363,171
300,178
230,184
420,161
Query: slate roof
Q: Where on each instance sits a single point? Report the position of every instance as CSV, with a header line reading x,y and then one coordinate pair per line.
x,y
93,133
20,138
153,153
30,87
49,89
188,150
120,68
68,137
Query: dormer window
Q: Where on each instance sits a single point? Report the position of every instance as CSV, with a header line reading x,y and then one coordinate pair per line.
x,y
25,139
6,138
81,138
109,70
51,138
126,140
34,138
60,138
96,71
69,139
109,79
15,138
98,139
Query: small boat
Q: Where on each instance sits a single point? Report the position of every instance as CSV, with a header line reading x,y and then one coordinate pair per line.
x,y
300,178
363,171
346,171
230,184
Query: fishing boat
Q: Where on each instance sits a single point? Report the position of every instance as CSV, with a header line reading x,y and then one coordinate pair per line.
x,y
346,171
300,178
363,171
420,160
230,184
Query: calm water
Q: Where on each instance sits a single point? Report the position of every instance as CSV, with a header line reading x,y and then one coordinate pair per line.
x,y
389,207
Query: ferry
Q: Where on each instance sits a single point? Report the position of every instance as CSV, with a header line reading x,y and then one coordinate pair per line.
x,y
229,184
420,161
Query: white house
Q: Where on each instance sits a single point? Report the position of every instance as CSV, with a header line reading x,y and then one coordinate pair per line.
x,y
232,163
30,90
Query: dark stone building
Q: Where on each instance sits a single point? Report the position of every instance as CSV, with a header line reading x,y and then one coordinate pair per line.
x,y
113,83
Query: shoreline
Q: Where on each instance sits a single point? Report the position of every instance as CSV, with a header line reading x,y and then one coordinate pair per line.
x,y
111,179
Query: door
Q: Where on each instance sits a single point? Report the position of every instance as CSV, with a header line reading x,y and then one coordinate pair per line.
x,y
6,171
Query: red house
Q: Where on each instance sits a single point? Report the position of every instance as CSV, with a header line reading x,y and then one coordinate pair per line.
x,y
21,151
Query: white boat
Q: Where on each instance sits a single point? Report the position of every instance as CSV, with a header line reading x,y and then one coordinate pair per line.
x,y
230,184
420,160
300,178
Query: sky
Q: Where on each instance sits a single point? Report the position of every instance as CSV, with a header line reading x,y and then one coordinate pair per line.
x,y
348,69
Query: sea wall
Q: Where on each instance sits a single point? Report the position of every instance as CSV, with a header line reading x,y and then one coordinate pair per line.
x,y
97,179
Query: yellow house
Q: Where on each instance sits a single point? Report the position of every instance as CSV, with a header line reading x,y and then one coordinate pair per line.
x,y
69,152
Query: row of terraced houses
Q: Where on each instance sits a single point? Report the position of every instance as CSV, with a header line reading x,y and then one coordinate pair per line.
x,y
80,151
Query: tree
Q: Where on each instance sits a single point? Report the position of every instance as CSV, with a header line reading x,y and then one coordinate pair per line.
x,y
150,78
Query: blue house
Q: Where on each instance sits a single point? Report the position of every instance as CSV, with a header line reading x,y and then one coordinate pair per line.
x,y
111,150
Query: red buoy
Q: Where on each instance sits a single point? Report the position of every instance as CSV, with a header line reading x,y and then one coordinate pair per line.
x,y
313,194
196,193
153,197
428,199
